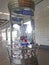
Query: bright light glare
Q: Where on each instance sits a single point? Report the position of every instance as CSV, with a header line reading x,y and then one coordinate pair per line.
x,y
8,37
14,35
30,46
16,26
29,28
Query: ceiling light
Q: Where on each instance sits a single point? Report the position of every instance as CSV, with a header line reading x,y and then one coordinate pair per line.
x,y
1,13
4,13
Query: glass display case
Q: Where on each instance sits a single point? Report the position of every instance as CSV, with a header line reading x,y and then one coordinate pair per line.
x,y
22,37
22,31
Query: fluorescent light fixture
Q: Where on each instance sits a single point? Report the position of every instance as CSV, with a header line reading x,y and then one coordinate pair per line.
x,y
4,13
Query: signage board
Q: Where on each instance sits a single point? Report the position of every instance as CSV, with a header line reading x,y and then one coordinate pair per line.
x,y
16,19
25,12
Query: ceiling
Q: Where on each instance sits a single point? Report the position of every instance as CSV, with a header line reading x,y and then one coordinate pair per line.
x,y
4,12
37,1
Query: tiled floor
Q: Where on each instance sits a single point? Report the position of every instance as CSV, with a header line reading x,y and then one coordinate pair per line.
x,y
43,57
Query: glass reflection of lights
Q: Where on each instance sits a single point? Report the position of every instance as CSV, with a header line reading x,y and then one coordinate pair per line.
x,y
15,32
30,46
14,35
29,28
16,26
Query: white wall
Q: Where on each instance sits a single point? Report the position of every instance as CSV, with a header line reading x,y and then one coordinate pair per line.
x,y
42,23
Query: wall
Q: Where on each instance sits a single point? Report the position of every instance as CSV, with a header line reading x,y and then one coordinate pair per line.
x,y
42,23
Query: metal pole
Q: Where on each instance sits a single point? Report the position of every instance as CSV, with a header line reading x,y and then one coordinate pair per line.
x,y
11,39
33,26
6,36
